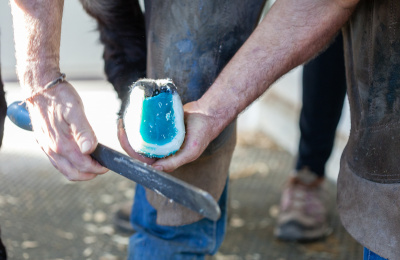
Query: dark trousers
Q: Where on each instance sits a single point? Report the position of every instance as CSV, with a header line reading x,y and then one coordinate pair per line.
x,y
324,90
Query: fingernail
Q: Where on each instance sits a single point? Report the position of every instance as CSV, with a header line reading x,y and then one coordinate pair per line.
x,y
86,146
158,167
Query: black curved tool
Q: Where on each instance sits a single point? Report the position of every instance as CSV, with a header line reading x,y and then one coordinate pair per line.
x,y
160,182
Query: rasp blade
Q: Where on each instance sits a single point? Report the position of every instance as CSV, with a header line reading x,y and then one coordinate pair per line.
x,y
160,182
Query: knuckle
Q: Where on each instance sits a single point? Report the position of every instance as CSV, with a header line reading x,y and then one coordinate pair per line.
x,y
49,152
58,149
102,171
86,164
84,167
74,176
192,154
71,176
61,147
86,132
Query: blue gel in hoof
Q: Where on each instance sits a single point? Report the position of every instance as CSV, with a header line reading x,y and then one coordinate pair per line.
x,y
158,119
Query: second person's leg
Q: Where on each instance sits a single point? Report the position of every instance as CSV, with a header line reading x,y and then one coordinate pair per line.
x,y
303,210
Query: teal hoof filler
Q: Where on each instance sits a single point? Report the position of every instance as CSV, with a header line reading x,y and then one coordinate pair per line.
x,y
154,118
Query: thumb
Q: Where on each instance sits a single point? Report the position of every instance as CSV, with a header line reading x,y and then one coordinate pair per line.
x,y
82,131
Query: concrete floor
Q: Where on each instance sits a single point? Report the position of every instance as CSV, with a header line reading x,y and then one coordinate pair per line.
x,y
43,216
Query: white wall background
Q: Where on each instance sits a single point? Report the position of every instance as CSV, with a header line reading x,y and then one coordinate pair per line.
x,y
80,48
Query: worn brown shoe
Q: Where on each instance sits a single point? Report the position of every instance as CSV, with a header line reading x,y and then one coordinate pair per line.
x,y
303,212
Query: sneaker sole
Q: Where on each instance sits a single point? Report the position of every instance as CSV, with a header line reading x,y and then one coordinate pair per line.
x,y
295,232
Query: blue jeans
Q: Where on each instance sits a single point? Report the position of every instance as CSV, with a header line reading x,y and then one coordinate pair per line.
x,y
193,241
369,255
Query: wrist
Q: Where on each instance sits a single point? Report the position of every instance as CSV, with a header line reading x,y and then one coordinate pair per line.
x,y
218,115
48,87
33,78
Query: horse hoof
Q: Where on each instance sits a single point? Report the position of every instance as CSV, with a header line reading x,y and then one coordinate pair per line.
x,y
153,119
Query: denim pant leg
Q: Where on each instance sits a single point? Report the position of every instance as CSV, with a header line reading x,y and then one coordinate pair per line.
x,y
369,255
193,241
324,90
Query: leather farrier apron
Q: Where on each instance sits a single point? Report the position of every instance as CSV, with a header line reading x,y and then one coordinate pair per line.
x,y
369,179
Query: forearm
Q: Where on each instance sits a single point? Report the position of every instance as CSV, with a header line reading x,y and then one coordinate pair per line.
x,y
57,115
291,33
37,33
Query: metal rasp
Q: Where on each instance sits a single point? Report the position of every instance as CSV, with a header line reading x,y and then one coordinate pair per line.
x,y
160,182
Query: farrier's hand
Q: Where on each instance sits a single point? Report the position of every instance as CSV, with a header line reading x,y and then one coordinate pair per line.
x,y
199,134
123,140
64,133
